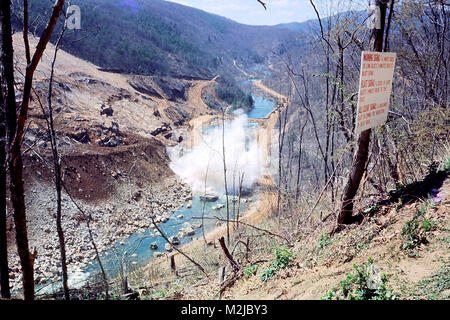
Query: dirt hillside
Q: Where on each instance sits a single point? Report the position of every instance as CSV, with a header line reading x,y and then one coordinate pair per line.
x,y
320,263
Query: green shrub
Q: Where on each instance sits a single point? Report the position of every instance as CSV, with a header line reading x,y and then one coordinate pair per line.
x,y
283,256
267,273
445,165
364,283
250,271
324,240
428,225
412,237
414,232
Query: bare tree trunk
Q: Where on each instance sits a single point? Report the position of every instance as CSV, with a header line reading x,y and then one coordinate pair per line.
x,y
225,174
15,161
299,163
97,254
241,182
281,135
230,258
18,200
4,274
16,184
362,153
57,173
351,188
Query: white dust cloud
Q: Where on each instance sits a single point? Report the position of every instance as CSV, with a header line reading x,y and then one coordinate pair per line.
x,y
242,155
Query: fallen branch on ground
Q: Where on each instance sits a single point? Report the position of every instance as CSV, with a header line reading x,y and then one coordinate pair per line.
x,y
179,251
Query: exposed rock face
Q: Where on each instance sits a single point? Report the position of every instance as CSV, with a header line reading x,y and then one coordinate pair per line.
x,y
81,136
107,110
177,115
144,85
110,136
64,86
164,128
173,89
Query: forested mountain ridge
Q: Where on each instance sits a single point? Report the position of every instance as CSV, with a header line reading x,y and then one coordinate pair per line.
x,y
163,38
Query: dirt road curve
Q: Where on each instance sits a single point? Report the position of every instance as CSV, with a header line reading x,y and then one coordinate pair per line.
x,y
195,96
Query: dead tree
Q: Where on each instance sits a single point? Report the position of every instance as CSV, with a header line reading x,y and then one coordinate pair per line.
x,y
230,258
176,249
225,173
4,274
57,170
16,124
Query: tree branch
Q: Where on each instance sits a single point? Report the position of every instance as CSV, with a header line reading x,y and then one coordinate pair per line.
x,y
263,4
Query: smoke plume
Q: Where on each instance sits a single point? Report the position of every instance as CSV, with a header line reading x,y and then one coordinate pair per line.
x,y
205,160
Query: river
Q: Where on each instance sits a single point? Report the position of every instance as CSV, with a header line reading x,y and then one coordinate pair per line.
x,y
135,251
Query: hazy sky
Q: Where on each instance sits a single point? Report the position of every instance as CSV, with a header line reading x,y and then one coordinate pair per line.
x,y
251,12
278,11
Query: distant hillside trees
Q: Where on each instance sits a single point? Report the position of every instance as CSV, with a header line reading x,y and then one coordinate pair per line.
x,y
161,38
229,92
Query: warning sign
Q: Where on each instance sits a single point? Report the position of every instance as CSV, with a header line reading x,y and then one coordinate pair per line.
x,y
375,87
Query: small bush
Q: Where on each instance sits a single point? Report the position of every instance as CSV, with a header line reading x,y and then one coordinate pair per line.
x,y
445,165
364,283
283,256
413,237
428,225
324,240
267,273
250,271
414,232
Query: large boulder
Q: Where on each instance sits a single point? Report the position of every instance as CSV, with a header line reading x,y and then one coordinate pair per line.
x,y
187,225
81,136
107,110
187,230
209,197
174,240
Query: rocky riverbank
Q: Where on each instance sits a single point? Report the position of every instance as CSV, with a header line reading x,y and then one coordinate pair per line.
x,y
126,212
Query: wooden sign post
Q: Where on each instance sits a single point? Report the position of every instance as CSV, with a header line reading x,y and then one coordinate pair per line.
x,y
361,155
